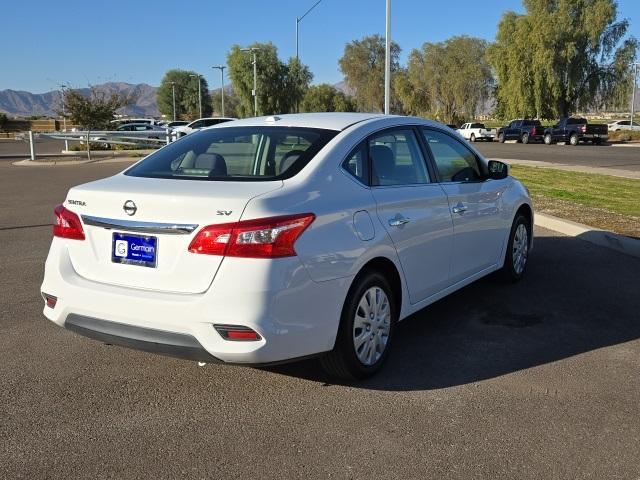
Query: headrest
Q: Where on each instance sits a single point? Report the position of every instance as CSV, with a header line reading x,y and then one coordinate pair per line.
x,y
213,162
382,161
289,159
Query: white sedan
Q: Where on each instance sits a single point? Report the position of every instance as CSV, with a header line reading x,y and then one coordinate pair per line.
x,y
271,239
182,130
623,125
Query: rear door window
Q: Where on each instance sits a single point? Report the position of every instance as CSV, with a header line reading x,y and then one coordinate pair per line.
x,y
396,159
240,153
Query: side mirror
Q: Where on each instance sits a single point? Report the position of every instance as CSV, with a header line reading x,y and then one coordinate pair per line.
x,y
497,170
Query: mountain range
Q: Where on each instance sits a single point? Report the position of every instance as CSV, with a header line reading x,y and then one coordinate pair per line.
x,y
25,104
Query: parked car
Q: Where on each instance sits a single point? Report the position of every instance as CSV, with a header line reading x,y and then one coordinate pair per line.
x,y
177,123
522,130
477,131
200,123
124,121
623,125
269,240
576,130
141,127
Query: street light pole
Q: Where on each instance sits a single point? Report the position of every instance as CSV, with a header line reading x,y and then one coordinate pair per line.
x,y
221,68
299,19
173,92
199,91
387,61
633,94
255,78
64,117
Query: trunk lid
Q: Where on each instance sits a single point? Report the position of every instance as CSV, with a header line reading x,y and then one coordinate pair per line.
x,y
172,211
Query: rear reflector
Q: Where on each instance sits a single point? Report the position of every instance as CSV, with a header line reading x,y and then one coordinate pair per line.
x,y
67,224
261,238
237,333
49,300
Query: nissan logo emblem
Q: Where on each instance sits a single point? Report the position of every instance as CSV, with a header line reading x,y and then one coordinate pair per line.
x,y
130,208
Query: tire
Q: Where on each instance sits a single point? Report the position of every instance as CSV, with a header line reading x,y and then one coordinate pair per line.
x,y
472,138
501,137
547,139
516,257
525,138
597,141
374,335
573,139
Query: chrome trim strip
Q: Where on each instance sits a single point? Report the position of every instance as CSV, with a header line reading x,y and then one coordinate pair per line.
x,y
144,227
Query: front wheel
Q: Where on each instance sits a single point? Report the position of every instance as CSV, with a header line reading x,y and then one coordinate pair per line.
x,y
547,139
515,260
366,329
501,138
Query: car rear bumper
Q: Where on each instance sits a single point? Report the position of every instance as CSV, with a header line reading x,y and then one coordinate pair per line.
x,y
293,315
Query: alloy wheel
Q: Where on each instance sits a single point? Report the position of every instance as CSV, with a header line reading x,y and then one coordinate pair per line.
x,y
520,248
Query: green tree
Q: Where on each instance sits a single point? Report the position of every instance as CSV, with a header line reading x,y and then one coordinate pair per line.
x,y
231,103
326,98
363,67
280,85
561,56
3,120
446,80
186,89
95,110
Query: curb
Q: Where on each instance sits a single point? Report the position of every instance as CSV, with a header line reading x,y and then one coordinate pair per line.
x,y
602,238
29,163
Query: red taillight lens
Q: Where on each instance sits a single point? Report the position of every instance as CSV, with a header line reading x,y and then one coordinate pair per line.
x,y
237,333
67,224
49,300
262,238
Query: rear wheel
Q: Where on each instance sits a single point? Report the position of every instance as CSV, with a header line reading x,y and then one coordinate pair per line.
x,y
515,261
525,138
473,137
366,329
573,139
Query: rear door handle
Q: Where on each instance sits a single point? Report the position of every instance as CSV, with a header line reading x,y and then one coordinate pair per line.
x,y
398,221
459,208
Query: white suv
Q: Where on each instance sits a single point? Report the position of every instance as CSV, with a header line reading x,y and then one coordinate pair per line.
x,y
271,239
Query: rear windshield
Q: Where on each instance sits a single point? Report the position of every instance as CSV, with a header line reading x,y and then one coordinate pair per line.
x,y
235,153
477,125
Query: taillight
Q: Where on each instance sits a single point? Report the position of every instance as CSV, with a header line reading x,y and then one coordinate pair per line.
x,y
237,333
67,224
261,238
583,128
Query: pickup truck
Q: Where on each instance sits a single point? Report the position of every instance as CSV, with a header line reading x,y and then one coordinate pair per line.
x,y
522,130
477,131
576,130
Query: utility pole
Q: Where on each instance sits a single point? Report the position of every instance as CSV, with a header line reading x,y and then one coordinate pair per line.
x,y
221,68
254,92
64,117
173,91
199,91
387,61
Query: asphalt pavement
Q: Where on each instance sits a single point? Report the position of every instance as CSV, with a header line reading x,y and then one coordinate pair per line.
x,y
534,380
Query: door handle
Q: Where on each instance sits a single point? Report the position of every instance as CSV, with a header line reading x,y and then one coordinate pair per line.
x,y
460,208
398,221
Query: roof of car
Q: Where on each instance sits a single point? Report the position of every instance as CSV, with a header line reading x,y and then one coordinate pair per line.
x,y
325,120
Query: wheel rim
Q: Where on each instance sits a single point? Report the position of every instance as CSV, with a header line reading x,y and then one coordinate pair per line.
x,y
371,326
520,248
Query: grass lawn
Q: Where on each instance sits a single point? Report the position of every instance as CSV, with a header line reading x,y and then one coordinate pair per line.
x,y
602,201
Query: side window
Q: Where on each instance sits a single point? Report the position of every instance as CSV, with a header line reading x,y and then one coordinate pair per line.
x,y
356,164
454,161
396,159
197,124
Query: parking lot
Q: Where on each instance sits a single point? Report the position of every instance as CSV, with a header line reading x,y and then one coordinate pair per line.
x,y
533,380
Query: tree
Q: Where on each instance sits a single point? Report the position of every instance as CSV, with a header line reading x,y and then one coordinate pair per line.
x,y
231,103
280,85
363,67
561,56
95,110
186,89
326,98
3,120
447,80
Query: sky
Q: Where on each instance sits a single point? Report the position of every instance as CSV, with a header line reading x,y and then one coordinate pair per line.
x,y
82,43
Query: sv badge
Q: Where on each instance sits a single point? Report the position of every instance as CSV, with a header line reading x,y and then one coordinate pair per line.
x,y
225,212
